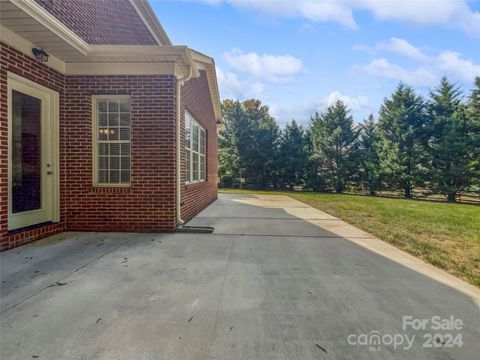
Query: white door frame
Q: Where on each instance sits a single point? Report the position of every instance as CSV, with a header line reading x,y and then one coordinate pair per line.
x,y
50,196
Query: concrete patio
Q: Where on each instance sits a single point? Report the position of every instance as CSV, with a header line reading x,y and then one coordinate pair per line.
x,y
276,280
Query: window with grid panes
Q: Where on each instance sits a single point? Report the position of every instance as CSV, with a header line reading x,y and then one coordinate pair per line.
x,y
195,151
112,140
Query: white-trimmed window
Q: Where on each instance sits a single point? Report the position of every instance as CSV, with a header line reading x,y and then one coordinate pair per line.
x,y
195,149
111,124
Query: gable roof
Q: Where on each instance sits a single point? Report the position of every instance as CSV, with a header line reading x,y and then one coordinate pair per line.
x,y
26,24
204,62
109,22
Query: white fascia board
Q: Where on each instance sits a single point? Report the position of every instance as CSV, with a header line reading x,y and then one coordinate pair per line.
x,y
121,68
179,55
135,50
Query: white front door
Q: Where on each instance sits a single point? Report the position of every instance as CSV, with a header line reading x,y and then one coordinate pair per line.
x,y
33,147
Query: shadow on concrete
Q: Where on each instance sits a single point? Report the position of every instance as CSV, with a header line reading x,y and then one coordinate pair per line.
x,y
267,284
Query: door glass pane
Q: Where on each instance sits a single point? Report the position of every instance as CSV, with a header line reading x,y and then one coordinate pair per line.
x,y
26,156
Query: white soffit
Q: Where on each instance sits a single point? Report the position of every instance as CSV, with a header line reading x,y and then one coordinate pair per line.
x,y
112,59
30,21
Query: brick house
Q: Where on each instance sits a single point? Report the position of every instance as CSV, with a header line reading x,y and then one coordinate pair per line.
x,y
104,124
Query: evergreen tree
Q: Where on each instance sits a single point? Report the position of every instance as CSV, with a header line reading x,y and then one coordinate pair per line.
x,y
228,152
434,145
474,102
335,145
403,130
369,158
451,144
313,177
262,158
473,108
292,155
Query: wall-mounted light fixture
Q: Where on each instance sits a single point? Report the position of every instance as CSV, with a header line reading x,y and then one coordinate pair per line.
x,y
40,54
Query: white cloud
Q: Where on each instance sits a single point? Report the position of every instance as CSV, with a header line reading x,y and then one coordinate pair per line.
x,y
448,13
402,47
448,63
337,11
383,68
268,67
354,103
452,64
452,13
230,86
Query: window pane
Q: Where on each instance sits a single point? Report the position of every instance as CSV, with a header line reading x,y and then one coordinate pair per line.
x,y
102,105
125,149
102,119
187,131
194,137
125,106
103,163
124,119
103,176
114,149
103,149
125,176
202,167
114,176
102,133
124,133
113,106
125,163
202,141
187,165
113,120
113,134
195,167
114,163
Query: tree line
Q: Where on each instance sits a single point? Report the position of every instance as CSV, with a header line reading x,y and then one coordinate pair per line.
x,y
431,144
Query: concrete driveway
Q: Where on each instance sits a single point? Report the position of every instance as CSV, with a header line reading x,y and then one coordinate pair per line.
x,y
276,280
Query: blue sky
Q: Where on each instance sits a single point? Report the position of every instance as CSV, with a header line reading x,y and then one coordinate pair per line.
x,y
300,56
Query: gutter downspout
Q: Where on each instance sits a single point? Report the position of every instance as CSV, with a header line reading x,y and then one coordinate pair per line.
x,y
179,83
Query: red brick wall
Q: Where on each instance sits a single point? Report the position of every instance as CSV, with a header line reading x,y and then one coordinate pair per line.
x,y
196,100
101,22
18,63
149,204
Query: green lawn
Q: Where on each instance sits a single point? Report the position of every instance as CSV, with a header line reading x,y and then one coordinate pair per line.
x,y
445,235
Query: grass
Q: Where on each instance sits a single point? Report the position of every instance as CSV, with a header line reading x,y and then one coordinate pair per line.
x,y
445,235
